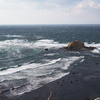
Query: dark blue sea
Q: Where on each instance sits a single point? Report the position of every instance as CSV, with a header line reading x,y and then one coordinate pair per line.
x,y
26,66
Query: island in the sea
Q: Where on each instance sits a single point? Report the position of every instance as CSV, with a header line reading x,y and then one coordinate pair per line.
x,y
77,46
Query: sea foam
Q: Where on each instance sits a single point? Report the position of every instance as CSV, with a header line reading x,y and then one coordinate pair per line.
x,y
47,43
28,66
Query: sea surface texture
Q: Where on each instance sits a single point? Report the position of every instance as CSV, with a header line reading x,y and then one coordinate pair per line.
x,y
25,65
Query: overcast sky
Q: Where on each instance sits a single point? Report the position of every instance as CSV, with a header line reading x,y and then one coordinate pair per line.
x,y
49,11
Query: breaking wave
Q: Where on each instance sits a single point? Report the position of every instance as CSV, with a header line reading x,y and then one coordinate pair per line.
x,y
44,43
15,36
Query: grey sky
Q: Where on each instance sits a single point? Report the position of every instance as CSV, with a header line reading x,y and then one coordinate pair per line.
x,y
49,11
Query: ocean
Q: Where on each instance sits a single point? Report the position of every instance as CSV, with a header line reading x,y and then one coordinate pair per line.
x,y
25,65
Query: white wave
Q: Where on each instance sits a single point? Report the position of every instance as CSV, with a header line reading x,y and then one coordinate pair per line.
x,y
45,70
16,42
40,70
10,42
52,61
97,50
92,44
24,67
13,70
12,36
81,60
63,63
48,44
43,43
51,54
70,60
25,43
14,46
37,83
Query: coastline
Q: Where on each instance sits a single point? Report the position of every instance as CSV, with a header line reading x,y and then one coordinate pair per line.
x,y
23,54
69,87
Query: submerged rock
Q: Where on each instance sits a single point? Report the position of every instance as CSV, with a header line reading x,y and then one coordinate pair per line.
x,y
77,46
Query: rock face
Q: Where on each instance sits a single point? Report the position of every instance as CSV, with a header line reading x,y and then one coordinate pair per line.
x,y
77,46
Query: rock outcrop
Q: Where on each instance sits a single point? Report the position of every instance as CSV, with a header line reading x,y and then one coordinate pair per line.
x,y
77,46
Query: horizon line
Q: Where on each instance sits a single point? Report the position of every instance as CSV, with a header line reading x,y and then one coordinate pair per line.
x,y
49,24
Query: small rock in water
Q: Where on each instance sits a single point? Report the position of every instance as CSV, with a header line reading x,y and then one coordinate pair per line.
x,y
46,49
61,84
13,88
73,73
87,98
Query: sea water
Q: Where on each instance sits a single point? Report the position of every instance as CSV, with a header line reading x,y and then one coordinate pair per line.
x,y
25,65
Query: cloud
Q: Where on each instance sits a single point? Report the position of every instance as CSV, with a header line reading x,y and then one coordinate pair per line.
x,y
89,4
49,11
94,4
88,11
41,4
64,2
